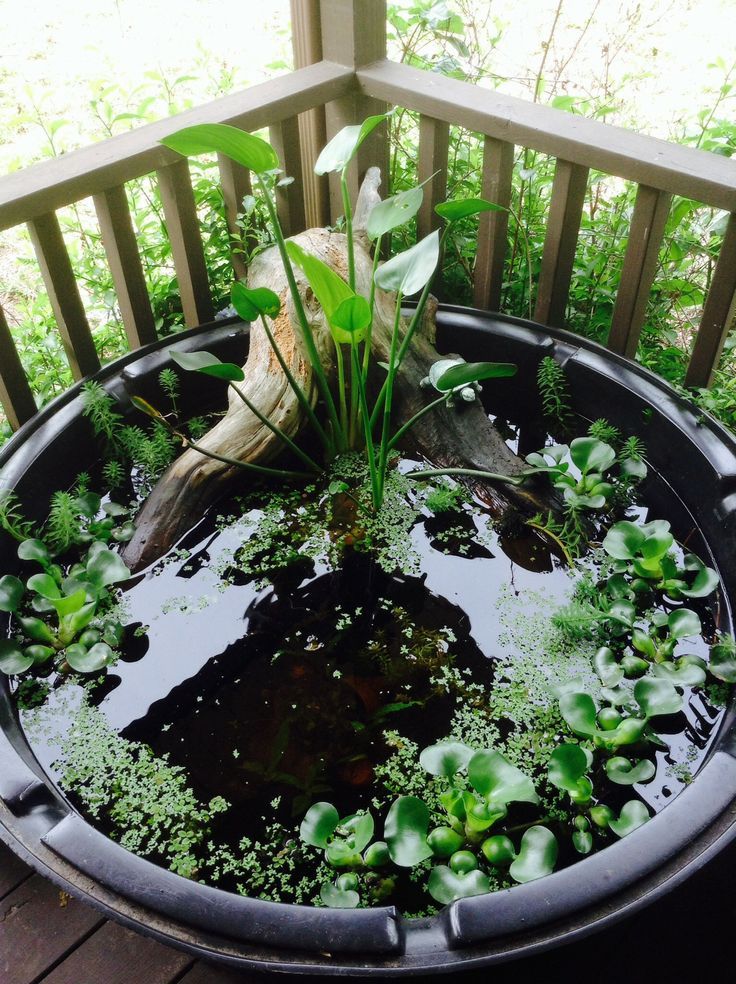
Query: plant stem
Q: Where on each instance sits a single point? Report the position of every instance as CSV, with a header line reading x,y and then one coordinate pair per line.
x,y
309,462
348,228
341,387
300,394
372,304
369,449
412,420
555,539
389,386
309,343
247,465
472,472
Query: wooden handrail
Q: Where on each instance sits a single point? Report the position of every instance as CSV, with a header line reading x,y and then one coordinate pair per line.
x,y
45,187
695,174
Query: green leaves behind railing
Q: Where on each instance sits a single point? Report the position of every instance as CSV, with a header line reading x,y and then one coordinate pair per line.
x,y
473,372
407,824
537,855
461,209
410,271
394,212
338,153
219,138
208,364
251,303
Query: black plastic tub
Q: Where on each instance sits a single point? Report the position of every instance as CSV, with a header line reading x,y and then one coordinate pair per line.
x,y
696,457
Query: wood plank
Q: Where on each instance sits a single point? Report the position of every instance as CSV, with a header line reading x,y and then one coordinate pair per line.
x,y
204,973
182,223
66,303
114,955
121,248
560,242
289,198
718,314
640,265
13,871
498,166
697,174
38,927
51,184
434,142
15,393
236,184
354,34
306,39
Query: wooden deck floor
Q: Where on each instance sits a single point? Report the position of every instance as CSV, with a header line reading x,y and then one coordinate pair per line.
x,y
46,937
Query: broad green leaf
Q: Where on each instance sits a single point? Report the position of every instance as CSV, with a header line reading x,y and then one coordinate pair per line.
x,y
88,660
394,212
319,824
479,816
590,454
13,659
579,712
89,504
473,372
633,815
106,567
70,603
338,153
340,854
406,830
723,660
115,510
44,585
361,828
610,673
494,777
219,138
72,624
625,773
34,550
537,855
37,630
377,855
567,766
623,540
329,288
39,654
685,672
656,696
410,271
462,208
11,593
124,533
445,758
582,841
446,886
208,364
684,623
705,581
350,320
336,898
629,732
250,303
454,802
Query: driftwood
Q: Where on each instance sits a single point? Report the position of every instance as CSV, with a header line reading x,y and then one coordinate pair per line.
x,y
459,437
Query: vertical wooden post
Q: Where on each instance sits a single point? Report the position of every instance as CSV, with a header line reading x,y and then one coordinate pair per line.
x,y
718,314
121,248
180,212
558,256
434,141
15,393
640,265
66,303
235,184
306,41
498,165
289,198
354,34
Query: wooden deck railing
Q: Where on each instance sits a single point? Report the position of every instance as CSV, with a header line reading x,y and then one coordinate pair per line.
x,y
314,101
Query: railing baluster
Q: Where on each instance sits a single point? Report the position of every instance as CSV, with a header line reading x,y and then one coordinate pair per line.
x,y
434,141
63,292
236,184
15,393
289,198
118,238
498,165
180,211
640,264
560,242
718,313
